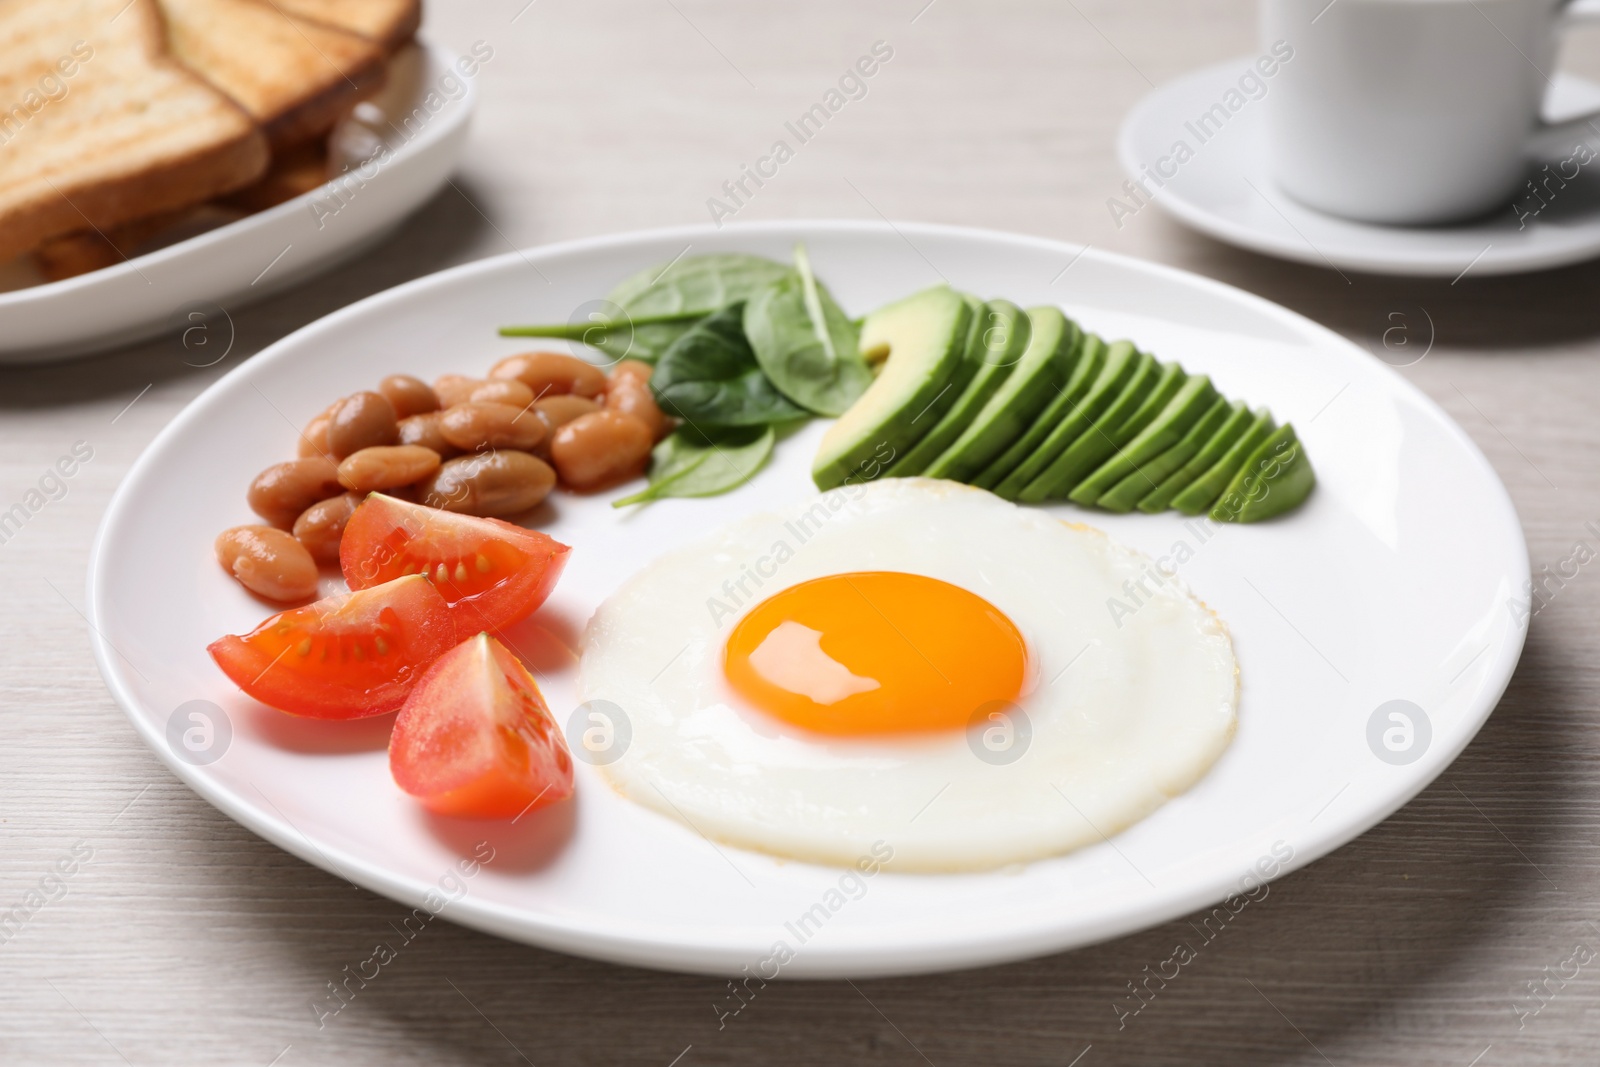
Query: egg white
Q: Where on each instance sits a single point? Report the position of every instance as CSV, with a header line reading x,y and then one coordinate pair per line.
x,y
1125,710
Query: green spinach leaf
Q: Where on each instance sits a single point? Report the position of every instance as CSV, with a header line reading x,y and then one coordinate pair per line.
x,y
710,377
689,464
805,343
696,285
645,314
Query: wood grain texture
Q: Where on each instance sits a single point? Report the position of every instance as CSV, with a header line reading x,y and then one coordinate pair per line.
x,y
186,940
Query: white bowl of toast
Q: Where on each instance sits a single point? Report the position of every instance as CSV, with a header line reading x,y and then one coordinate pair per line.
x,y
164,160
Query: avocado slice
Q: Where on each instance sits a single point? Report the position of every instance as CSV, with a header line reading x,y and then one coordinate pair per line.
x,y
1100,438
1088,356
1205,489
926,370
1013,407
999,337
1120,364
1239,419
1192,400
1276,477
1136,486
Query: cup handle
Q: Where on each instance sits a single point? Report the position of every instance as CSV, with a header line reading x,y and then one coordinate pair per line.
x,y
1557,138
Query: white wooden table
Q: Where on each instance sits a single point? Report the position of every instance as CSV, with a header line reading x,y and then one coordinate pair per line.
x,y
180,938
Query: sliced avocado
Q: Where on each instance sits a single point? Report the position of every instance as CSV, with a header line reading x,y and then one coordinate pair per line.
x,y
1275,478
1167,385
1240,419
1098,439
1127,494
999,337
1204,490
1120,366
926,370
1088,356
1026,391
1192,400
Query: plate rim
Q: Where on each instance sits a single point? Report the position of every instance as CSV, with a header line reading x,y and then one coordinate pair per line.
x,y
714,955
1410,264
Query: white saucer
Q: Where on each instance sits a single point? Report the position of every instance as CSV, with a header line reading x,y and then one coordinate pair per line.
x,y
1225,191
413,135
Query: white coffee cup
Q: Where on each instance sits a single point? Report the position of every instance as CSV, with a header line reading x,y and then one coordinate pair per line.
x,y
1415,111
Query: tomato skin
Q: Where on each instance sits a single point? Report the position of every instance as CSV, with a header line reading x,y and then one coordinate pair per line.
x,y
475,738
343,657
492,573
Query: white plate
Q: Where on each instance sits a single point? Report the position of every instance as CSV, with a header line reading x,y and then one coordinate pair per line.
x,y
1391,583
1226,191
420,122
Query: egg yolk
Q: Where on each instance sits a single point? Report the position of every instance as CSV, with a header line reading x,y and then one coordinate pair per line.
x,y
875,652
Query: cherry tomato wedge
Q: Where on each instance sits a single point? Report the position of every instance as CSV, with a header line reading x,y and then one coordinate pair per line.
x,y
343,657
490,572
476,739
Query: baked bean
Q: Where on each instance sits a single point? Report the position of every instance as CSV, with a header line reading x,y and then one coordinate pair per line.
x,y
268,562
409,493
314,438
630,396
472,426
552,373
408,395
453,389
281,492
321,526
631,368
362,420
555,412
386,467
600,449
560,410
503,391
424,430
492,485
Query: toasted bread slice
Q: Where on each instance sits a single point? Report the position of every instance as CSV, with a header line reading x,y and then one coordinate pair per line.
x,y
295,77
101,127
389,22
79,253
292,173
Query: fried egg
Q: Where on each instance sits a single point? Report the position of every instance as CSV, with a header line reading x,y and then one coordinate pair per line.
x,y
911,663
